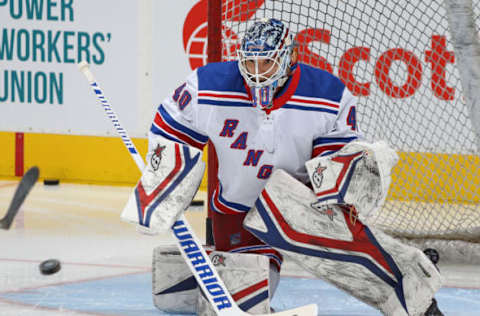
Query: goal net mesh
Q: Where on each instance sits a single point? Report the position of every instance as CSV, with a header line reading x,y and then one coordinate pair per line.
x,y
398,58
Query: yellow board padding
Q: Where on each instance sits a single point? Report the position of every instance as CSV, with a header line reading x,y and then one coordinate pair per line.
x,y
82,159
78,159
436,177
7,160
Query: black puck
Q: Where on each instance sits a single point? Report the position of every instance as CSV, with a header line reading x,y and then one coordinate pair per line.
x,y
432,254
197,203
51,182
49,266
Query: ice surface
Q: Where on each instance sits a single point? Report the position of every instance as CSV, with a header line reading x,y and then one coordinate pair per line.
x,y
106,263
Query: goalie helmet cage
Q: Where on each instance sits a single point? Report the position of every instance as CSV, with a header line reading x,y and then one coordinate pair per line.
x,y
416,83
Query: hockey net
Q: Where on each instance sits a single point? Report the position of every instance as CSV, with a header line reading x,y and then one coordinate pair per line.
x,y
405,66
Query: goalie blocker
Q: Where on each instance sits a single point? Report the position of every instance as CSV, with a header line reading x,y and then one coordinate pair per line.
x,y
167,186
327,238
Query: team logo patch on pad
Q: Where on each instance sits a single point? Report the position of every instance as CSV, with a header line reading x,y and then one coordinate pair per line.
x,y
218,260
157,157
324,210
317,176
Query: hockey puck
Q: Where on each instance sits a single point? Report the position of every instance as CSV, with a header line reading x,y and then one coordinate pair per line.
x,y
197,203
49,266
51,182
432,254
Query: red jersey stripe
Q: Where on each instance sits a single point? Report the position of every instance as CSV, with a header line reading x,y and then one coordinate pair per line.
x,y
169,130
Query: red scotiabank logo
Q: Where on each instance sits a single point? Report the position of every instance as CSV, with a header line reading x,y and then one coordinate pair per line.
x,y
195,45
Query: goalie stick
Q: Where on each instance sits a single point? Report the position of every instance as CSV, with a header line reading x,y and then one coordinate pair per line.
x,y
199,262
26,184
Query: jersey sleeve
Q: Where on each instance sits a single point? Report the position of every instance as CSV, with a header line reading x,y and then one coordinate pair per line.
x,y
345,128
177,118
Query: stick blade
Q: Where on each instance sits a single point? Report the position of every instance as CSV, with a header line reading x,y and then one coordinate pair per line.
x,y
307,310
26,184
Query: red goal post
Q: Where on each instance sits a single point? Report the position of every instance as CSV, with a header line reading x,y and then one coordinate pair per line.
x,y
415,68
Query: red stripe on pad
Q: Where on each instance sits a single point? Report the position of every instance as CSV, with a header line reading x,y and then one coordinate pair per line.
x,y
361,243
347,162
146,199
321,149
249,290
265,252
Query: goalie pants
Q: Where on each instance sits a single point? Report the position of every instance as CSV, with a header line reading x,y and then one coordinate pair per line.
x,y
229,235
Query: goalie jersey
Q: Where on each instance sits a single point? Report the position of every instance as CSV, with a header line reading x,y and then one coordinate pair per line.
x,y
313,114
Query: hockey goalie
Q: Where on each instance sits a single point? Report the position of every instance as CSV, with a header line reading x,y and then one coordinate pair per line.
x,y
296,179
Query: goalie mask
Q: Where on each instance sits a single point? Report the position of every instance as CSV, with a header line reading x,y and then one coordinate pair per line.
x,y
264,59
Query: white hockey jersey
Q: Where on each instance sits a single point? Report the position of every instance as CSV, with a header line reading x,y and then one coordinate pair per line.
x,y
313,114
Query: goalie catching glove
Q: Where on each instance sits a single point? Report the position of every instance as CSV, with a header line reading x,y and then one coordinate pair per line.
x,y
358,175
167,186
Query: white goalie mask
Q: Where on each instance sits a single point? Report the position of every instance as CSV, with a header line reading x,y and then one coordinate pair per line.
x,y
264,59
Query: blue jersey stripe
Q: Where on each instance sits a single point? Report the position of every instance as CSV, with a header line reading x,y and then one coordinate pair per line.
x,y
252,248
330,140
170,121
328,153
309,108
224,103
236,206
160,132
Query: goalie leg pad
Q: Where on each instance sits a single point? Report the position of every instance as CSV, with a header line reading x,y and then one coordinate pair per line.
x,y
167,186
366,263
174,288
246,276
